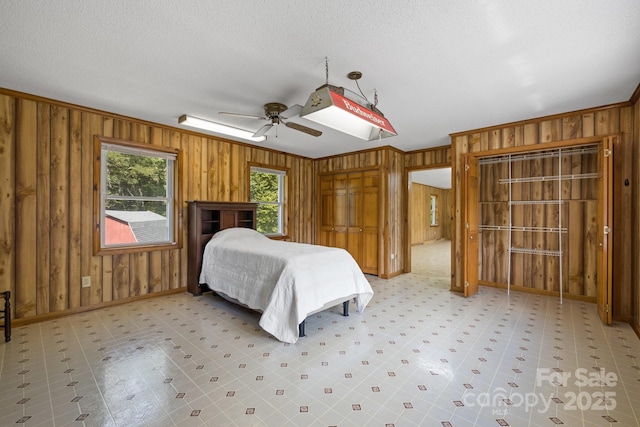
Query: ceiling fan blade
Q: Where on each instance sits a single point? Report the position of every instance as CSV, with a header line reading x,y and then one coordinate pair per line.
x,y
262,130
248,116
299,127
294,110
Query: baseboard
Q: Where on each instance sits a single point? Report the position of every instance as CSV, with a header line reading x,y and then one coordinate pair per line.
x,y
392,275
64,313
636,328
537,291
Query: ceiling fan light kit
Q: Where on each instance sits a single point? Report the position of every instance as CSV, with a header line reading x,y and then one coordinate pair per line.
x,y
219,128
276,113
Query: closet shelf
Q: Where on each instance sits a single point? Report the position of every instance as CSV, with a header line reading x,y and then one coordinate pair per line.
x,y
537,202
522,228
542,155
547,178
547,252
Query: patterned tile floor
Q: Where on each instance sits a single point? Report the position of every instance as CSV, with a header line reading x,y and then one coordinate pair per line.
x,y
419,355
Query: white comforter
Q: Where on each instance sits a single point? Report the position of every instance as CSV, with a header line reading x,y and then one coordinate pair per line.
x,y
285,281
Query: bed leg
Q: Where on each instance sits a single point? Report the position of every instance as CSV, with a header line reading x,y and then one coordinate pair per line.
x,y
301,329
345,308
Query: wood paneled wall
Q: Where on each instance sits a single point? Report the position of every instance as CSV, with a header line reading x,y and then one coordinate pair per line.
x,y
430,158
635,213
396,205
421,230
46,204
602,121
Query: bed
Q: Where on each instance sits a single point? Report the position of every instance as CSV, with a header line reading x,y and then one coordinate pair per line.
x,y
286,282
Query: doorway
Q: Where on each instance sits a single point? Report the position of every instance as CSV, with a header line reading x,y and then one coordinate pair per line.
x,y
428,243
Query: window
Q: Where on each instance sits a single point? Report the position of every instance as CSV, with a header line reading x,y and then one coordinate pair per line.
x,y
135,196
267,188
433,214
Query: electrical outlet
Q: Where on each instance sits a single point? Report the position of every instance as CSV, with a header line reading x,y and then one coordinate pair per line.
x,y
393,256
86,281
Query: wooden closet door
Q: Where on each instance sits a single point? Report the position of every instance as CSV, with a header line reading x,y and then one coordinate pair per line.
x,y
370,221
355,225
326,235
340,211
348,216
605,245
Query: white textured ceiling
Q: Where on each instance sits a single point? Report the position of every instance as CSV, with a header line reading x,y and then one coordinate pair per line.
x,y
439,66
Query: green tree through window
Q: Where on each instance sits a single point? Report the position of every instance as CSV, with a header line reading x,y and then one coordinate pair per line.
x,y
136,176
266,188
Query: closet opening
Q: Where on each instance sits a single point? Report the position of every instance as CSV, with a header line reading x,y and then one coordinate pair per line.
x,y
539,221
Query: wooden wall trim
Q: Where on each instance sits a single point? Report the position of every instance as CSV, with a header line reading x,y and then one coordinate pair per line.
x,y
360,169
351,153
539,147
542,119
423,150
409,169
636,328
635,211
8,200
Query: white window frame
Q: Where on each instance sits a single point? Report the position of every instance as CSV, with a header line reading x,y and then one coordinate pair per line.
x,y
433,202
105,145
281,195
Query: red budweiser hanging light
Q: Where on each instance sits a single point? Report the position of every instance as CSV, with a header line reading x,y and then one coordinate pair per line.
x,y
329,106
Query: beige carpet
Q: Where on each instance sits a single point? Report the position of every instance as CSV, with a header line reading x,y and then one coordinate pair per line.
x,y
432,259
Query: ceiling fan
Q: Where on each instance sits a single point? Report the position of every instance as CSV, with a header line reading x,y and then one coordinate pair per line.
x,y
277,113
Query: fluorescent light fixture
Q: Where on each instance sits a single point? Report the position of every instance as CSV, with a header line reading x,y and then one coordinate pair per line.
x,y
329,108
219,128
